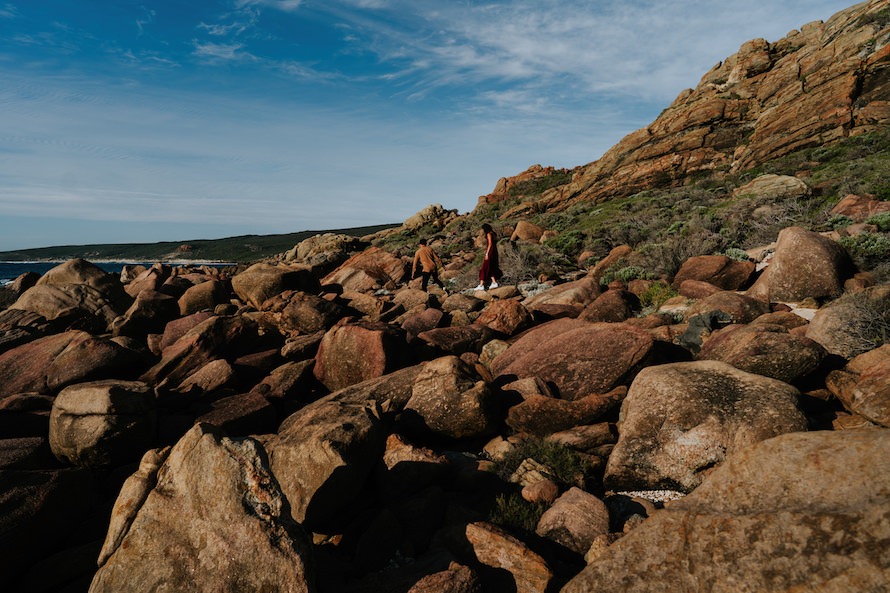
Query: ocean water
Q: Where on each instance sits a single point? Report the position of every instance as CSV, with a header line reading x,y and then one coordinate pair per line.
x,y
9,271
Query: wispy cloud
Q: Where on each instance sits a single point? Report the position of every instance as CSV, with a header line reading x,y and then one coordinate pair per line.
x,y
640,48
147,19
286,5
224,52
8,11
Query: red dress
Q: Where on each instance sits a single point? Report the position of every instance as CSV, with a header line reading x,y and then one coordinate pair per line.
x,y
490,268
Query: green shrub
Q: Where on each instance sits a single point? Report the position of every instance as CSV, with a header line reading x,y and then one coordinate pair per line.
x,y
656,295
526,261
625,274
568,243
568,467
737,254
868,250
514,512
882,221
839,221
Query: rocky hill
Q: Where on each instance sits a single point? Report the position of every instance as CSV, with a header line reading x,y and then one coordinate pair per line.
x,y
821,83
655,416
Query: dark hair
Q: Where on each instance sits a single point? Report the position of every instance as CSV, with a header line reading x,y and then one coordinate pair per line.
x,y
422,242
486,228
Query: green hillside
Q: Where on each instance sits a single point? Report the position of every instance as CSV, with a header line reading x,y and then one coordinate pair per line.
x,y
244,248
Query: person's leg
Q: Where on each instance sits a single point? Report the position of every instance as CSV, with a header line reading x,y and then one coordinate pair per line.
x,y
436,280
424,279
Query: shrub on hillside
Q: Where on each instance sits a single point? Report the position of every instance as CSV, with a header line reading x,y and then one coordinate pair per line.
x,y
524,261
868,250
568,467
737,254
515,513
568,243
882,221
656,295
625,274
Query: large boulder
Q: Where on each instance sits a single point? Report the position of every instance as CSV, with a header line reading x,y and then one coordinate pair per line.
x,y
324,252
263,281
613,306
765,521
102,423
578,292
804,265
527,231
152,278
578,357
457,340
450,400
681,420
433,214
77,291
575,520
853,324
864,385
150,312
719,270
505,316
323,454
19,327
351,353
215,520
213,338
764,349
523,570
740,308
859,208
371,269
204,296
301,313
774,187
540,415
48,364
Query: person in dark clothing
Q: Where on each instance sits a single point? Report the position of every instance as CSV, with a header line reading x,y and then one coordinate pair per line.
x,y
429,263
490,271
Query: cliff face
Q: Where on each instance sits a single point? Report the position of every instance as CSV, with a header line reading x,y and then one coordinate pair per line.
x,y
826,81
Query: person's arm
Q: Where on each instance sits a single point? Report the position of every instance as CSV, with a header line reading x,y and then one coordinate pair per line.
x,y
414,264
488,243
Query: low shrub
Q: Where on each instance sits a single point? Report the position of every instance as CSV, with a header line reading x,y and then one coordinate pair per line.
x,y
625,274
882,221
868,250
737,254
515,513
568,467
656,295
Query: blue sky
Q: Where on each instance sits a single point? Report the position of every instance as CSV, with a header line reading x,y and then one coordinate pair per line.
x,y
128,121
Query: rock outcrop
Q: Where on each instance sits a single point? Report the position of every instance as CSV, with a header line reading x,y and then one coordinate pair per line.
x,y
759,523
821,82
214,519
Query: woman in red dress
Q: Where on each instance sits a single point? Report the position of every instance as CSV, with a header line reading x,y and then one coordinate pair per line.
x,y
490,271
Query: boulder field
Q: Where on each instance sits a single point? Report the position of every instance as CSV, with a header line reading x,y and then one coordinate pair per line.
x,y
296,428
